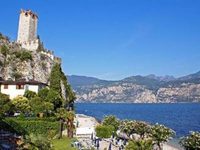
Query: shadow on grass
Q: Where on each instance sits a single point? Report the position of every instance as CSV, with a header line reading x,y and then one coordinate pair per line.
x,y
12,126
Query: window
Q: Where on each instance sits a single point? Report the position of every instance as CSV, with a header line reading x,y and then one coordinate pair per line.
x,y
19,87
6,86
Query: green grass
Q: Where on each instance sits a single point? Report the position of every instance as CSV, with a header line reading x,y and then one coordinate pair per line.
x,y
63,144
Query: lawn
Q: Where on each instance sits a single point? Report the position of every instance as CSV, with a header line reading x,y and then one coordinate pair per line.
x,y
62,144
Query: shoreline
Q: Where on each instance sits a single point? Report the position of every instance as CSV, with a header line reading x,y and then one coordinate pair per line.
x,y
94,122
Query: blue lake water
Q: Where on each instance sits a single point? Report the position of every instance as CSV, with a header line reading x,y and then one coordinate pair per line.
x,y
182,117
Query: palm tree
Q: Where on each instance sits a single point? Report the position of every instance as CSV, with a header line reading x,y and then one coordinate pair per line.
x,y
61,114
70,123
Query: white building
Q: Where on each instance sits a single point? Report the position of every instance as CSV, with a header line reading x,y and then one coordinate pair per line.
x,y
16,88
85,132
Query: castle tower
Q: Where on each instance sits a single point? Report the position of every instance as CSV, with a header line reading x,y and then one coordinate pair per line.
x,y
27,30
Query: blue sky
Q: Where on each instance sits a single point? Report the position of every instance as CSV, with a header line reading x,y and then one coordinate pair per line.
x,y
113,39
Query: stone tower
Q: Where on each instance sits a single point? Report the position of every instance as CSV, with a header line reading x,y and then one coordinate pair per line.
x,y
27,30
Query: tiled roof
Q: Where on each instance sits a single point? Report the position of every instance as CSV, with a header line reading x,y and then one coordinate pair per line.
x,y
31,82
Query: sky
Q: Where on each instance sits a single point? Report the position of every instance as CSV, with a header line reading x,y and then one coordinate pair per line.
x,y
114,39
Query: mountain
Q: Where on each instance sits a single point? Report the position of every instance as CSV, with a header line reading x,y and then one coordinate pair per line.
x,y
138,89
161,78
190,76
84,81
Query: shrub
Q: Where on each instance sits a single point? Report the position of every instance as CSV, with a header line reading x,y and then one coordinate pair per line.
x,y
139,145
16,75
5,104
29,94
112,121
1,36
25,55
4,50
21,104
36,141
103,131
1,63
191,141
44,65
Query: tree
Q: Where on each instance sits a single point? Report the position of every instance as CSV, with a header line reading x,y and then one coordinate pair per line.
x,y
54,98
21,104
69,94
58,83
40,107
61,114
43,93
141,128
138,127
70,123
192,141
160,134
29,94
139,145
112,121
55,78
5,104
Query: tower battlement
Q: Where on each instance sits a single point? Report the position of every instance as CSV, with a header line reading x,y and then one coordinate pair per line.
x,y
29,12
27,30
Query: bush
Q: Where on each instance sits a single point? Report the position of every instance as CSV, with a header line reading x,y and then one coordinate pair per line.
x,y
4,50
36,141
139,145
191,141
103,131
5,104
112,121
29,94
21,104
16,75
36,126
23,55
1,63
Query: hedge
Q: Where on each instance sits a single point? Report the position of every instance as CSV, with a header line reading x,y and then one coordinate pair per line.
x,y
23,126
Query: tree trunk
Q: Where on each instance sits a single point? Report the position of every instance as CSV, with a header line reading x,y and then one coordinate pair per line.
x,y
61,129
159,146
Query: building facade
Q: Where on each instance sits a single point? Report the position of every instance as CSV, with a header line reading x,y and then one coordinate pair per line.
x,y
27,30
18,88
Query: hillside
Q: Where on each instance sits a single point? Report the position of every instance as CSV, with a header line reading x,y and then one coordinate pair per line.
x,y
17,63
139,89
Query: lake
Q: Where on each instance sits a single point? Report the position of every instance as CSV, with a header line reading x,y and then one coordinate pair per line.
x,y
181,117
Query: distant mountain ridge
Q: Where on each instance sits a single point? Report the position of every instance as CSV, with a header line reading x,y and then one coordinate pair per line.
x,y
138,89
